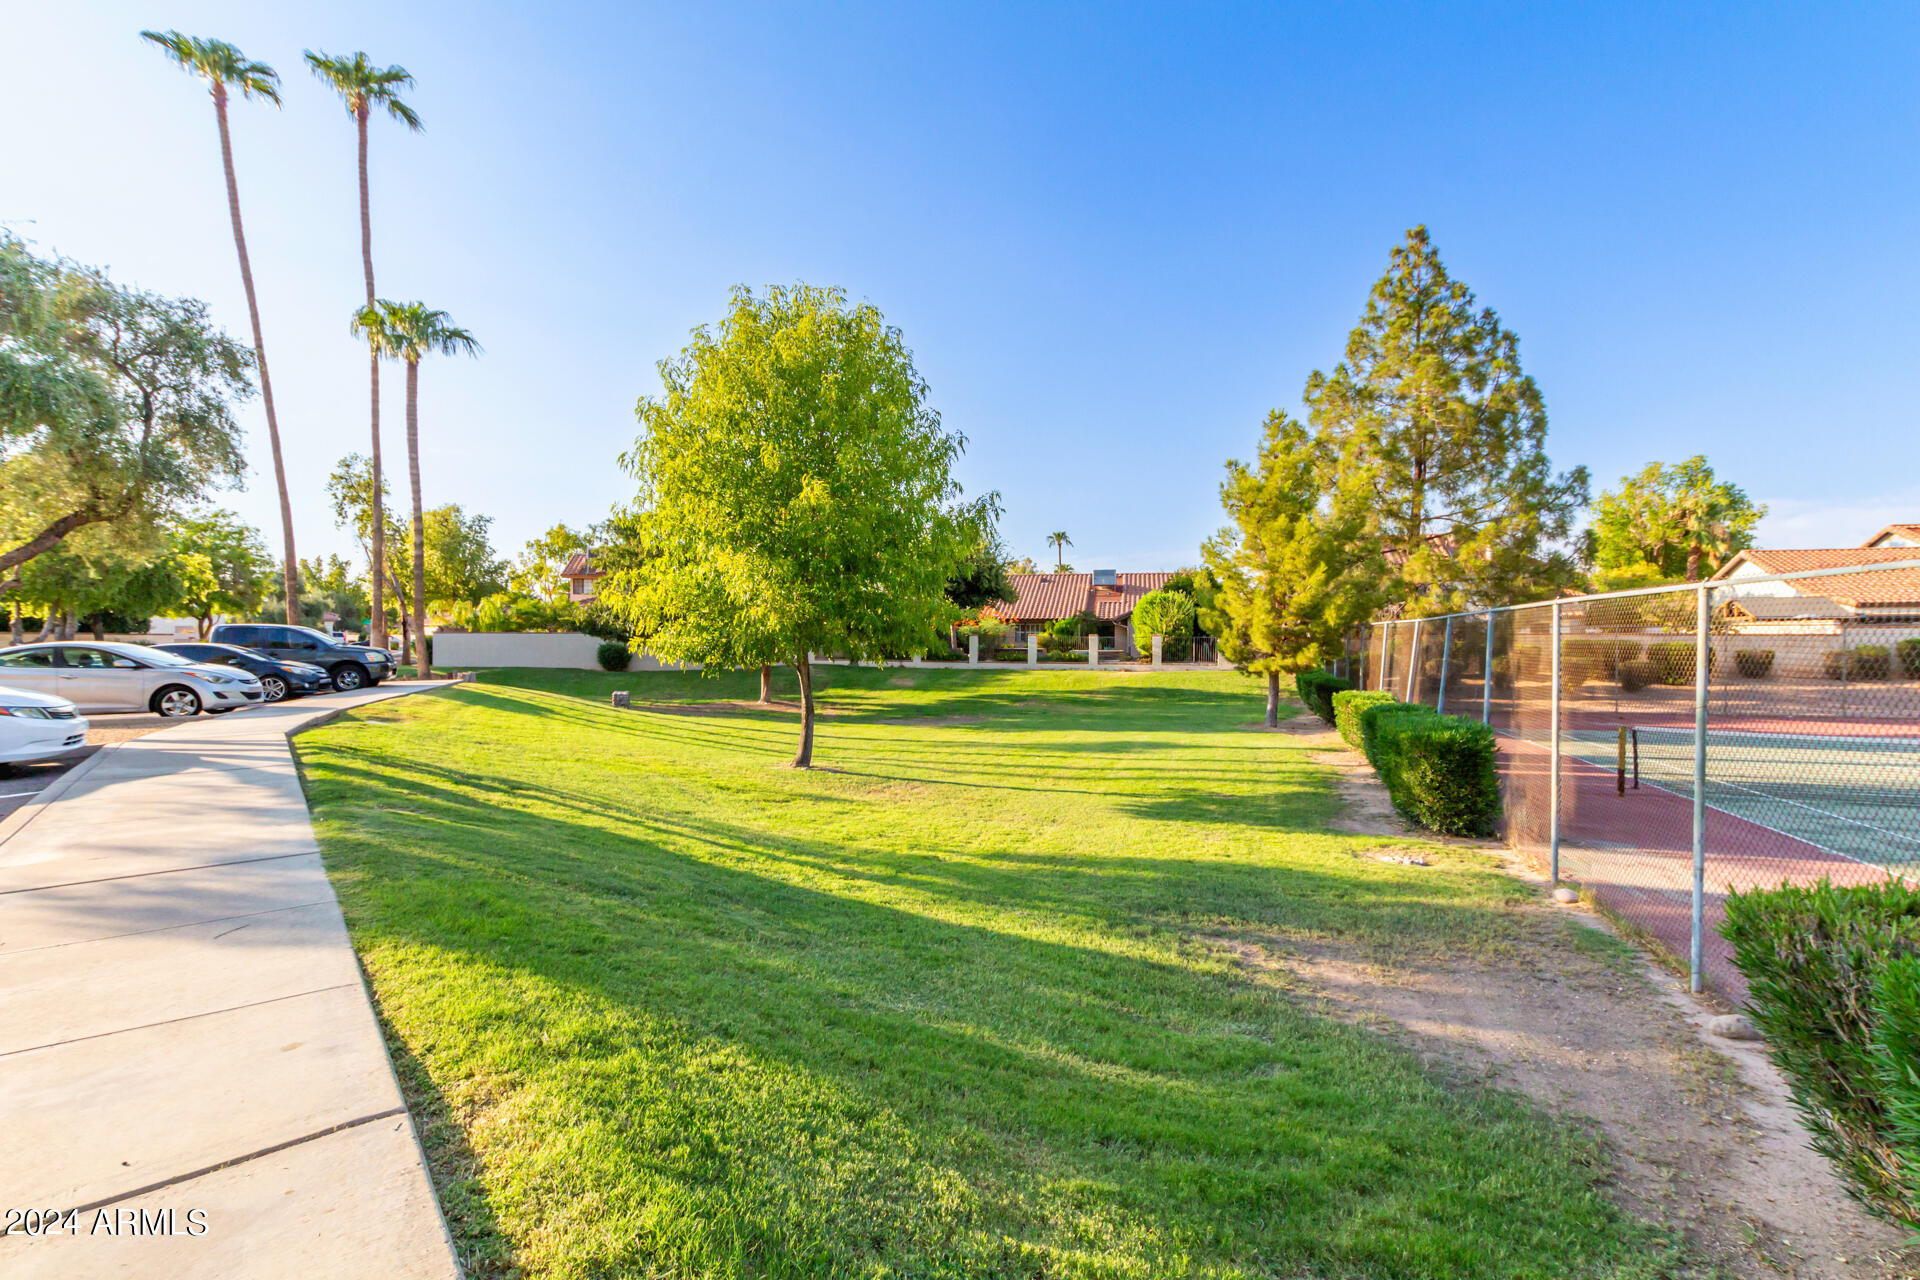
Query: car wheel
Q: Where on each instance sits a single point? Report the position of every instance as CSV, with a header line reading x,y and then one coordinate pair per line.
x,y
272,688
349,676
176,702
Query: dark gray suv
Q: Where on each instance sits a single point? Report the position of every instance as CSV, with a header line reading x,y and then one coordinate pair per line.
x,y
351,666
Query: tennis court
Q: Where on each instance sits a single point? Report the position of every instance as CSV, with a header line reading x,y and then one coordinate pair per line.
x,y
1857,797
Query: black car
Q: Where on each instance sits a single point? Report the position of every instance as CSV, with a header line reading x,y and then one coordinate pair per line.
x,y
350,666
278,679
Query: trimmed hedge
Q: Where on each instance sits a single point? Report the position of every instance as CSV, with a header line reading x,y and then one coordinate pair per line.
x,y
1347,706
1316,689
1637,674
1439,770
1754,664
614,655
1834,985
1909,651
1673,661
1862,662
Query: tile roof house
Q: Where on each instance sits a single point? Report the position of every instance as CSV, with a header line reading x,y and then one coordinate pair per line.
x,y
1045,598
1867,596
582,577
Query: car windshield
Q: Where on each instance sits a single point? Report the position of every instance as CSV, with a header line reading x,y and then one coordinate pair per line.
x,y
321,636
153,657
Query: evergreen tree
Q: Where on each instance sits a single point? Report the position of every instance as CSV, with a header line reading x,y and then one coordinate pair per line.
x,y
1295,570
1434,421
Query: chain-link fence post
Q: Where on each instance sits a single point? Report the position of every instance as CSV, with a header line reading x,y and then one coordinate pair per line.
x,y
1413,660
1486,676
1553,746
1702,661
1446,657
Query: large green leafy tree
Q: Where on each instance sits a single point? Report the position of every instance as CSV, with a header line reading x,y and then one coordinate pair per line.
x,y
1432,416
982,578
796,494
536,570
237,562
1678,521
362,86
1295,569
116,407
409,332
221,65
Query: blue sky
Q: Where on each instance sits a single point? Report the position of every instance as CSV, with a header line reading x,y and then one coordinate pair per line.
x,y
1114,235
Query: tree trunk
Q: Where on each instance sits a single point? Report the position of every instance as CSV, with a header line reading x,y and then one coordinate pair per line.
x,y
377,613
68,625
766,683
1273,699
1693,563
803,758
290,566
422,653
400,595
17,633
99,627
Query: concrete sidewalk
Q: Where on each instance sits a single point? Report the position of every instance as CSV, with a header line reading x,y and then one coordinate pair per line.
x,y
183,1027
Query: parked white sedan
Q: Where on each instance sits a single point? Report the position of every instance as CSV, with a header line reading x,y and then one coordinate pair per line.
x,y
34,726
104,676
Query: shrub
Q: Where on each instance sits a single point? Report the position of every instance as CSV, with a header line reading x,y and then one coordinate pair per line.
x,y
1896,1051
1823,988
1348,704
1673,661
1637,675
1601,654
1754,664
1862,662
1439,770
614,655
1316,689
1169,615
1909,651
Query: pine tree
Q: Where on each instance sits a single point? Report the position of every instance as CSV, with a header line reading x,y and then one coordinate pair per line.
x,y
1296,570
1434,420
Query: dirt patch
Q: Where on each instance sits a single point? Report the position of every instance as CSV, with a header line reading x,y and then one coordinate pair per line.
x,y
1703,1136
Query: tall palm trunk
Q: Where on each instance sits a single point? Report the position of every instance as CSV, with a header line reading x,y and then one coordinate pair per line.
x,y
378,621
422,659
290,566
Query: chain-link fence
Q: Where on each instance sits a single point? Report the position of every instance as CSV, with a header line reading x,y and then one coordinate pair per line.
x,y
1663,748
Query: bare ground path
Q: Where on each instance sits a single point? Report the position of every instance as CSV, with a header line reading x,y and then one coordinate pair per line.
x,y
1702,1133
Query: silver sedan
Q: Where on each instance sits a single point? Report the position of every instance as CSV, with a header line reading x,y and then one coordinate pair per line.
x,y
103,676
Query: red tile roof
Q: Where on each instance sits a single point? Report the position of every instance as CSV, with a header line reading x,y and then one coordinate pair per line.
x,y
1911,532
580,565
1892,587
1048,597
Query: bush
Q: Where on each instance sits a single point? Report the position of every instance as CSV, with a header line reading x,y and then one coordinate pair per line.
x,y
1637,675
1754,664
1439,770
1862,662
1909,651
1825,991
1316,689
1348,704
614,655
1673,661
1602,655
1169,615
1896,1051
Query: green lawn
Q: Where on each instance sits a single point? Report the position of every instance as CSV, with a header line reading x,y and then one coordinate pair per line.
x,y
954,1005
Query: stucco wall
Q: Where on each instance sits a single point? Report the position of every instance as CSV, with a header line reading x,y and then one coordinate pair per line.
x,y
567,649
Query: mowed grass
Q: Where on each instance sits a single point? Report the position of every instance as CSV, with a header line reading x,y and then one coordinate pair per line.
x,y
959,1004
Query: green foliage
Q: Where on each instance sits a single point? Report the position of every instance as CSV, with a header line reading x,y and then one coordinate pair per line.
x,y
1671,522
1636,674
1293,568
982,576
1317,689
116,405
1896,1053
1675,661
1348,707
1444,439
614,656
1439,770
1815,958
238,563
1909,651
1754,664
796,493
1861,662
536,570
1168,614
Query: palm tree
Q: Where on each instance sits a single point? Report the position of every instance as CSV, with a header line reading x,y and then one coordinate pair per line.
x,y
409,331
1059,542
221,65
364,86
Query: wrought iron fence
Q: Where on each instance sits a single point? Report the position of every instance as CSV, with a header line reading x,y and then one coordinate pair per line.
x,y
1663,748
